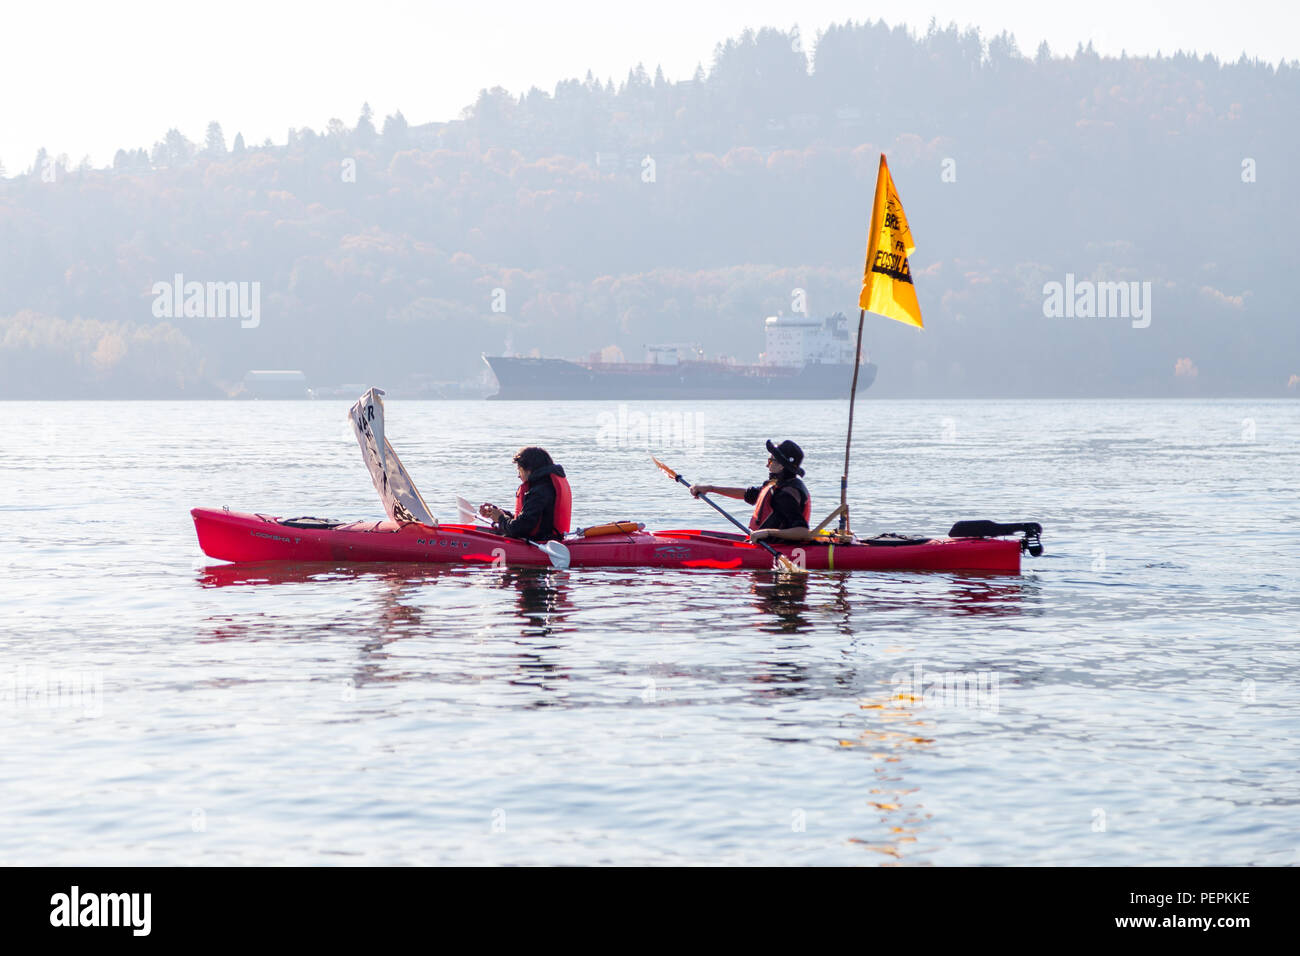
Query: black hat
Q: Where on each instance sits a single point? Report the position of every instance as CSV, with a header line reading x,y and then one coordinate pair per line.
x,y
788,455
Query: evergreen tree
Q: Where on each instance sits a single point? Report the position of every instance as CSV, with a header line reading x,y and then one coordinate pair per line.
x,y
239,144
177,150
365,130
1003,50
214,143
395,129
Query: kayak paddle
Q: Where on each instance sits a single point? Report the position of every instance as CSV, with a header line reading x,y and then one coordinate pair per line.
x,y
557,553
785,563
469,514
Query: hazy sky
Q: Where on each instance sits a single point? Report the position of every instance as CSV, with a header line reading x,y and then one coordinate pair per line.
x,y
86,78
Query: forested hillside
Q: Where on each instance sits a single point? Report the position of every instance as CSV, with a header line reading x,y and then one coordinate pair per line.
x,y
648,210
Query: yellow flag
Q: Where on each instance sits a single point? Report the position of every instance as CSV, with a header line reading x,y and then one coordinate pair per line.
x,y
887,279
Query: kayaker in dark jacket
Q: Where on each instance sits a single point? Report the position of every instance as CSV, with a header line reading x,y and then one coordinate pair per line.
x,y
782,504
543,502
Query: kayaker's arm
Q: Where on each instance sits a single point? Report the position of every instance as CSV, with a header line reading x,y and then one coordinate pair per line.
x,y
528,523
698,490
781,534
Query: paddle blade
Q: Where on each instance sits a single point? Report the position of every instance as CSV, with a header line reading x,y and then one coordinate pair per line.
x,y
556,552
664,468
789,567
468,514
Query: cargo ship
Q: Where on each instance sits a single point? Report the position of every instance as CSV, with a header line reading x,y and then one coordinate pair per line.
x,y
803,358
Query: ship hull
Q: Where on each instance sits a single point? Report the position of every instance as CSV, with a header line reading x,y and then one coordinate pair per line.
x,y
539,379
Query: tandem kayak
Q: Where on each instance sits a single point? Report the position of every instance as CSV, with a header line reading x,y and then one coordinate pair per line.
x,y
234,536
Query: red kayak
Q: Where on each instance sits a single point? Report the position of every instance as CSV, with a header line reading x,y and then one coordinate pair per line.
x,y
232,536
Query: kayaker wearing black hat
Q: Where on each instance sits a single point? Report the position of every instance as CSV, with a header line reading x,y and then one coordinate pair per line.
x,y
782,504
543,503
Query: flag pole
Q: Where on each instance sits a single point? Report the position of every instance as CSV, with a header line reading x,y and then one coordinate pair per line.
x,y
848,442
886,287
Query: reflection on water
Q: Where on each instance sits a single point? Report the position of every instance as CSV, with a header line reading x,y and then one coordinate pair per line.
x,y
543,598
521,639
378,604
892,733
783,597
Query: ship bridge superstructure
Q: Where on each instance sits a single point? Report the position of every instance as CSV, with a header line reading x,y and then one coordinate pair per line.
x,y
798,341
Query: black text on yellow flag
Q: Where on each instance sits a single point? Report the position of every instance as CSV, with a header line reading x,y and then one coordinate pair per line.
x,y
887,287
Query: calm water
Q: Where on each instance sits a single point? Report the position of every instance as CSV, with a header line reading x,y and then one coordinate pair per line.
x,y
1132,698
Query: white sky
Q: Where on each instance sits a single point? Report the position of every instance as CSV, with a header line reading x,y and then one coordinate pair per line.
x,y
86,78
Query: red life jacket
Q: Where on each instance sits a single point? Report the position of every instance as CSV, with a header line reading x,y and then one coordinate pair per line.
x,y
763,506
563,503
